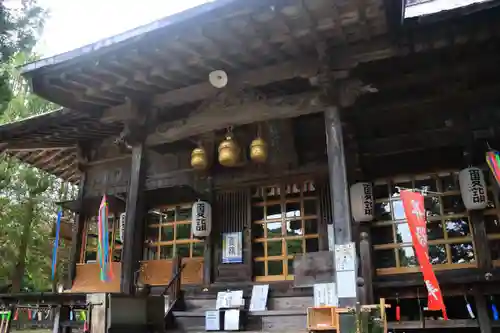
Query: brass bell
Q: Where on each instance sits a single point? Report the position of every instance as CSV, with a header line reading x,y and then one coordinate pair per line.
x,y
199,159
258,150
228,152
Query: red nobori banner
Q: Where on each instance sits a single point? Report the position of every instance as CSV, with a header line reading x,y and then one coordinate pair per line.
x,y
413,204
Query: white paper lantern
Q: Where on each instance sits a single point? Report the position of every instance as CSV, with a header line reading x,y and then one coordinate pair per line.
x,y
362,202
201,219
473,188
122,226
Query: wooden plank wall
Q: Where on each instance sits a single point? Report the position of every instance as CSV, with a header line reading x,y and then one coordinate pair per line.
x,y
232,213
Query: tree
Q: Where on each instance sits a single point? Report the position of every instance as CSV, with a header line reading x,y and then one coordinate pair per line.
x,y
27,197
20,25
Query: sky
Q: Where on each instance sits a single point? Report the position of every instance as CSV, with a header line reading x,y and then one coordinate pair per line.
x,y
74,23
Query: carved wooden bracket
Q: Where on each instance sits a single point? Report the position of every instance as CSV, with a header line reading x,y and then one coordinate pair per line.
x,y
337,87
134,130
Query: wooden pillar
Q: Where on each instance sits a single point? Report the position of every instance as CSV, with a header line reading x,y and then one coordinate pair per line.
x,y
361,231
338,177
365,256
339,193
134,221
480,237
76,237
482,310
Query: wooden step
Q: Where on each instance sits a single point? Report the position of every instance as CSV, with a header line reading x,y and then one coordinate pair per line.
x,y
293,320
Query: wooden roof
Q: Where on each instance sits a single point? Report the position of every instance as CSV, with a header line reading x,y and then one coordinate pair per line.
x,y
169,60
48,141
180,50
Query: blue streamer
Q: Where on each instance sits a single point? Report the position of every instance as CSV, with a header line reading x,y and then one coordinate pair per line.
x,y
494,309
56,244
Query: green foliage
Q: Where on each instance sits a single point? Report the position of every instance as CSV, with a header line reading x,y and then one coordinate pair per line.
x,y
27,198
20,25
27,195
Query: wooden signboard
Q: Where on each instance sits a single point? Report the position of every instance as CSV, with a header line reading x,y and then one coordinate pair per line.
x,y
312,268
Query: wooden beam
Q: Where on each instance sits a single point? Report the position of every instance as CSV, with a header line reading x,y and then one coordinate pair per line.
x,y
428,324
455,276
19,150
220,118
33,145
305,68
435,138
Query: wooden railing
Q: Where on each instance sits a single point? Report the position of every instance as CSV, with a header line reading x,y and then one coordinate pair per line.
x,y
172,291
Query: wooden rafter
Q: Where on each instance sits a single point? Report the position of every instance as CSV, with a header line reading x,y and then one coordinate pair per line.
x,y
305,68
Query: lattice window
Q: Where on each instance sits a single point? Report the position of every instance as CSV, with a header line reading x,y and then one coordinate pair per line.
x,y
284,224
90,237
448,228
168,231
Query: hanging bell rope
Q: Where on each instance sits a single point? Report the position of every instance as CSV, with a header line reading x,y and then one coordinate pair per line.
x,y
494,309
493,160
469,308
420,309
398,309
4,320
56,244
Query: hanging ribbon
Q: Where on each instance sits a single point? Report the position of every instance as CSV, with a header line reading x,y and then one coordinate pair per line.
x,y
413,204
56,245
16,314
494,309
4,322
103,241
398,309
83,315
86,324
493,160
469,308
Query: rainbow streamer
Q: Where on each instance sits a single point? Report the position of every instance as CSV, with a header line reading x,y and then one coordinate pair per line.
x,y
56,244
103,241
493,160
